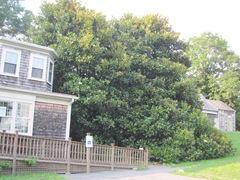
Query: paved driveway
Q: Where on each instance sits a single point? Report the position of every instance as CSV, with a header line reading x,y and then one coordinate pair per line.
x,y
152,173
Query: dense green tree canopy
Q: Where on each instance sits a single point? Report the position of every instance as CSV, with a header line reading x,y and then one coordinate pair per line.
x,y
215,69
130,76
14,18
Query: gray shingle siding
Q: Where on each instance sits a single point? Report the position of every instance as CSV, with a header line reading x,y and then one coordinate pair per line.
x,y
50,120
22,80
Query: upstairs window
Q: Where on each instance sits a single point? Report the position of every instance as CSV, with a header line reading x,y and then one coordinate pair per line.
x,y
10,62
37,67
50,72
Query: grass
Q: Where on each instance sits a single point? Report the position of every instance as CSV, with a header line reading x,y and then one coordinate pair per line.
x,y
141,168
223,168
38,176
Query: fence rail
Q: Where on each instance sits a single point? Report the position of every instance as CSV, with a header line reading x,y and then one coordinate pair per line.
x,y
70,152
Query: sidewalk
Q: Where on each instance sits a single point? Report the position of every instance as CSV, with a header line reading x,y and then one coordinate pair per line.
x,y
152,173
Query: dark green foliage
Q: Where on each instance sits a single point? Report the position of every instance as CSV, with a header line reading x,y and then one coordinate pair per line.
x,y
14,19
30,161
4,165
238,120
176,148
130,77
198,141
211,142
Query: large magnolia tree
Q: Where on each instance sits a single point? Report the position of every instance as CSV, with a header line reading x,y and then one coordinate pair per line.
x,y
129,75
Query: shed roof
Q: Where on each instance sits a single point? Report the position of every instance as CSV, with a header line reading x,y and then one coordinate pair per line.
x,y
219,105
213,105
208,106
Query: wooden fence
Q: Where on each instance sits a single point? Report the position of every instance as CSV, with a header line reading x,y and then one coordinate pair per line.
x,y
66,156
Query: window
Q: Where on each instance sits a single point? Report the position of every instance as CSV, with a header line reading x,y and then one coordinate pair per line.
x,y
37,67
6,115
22,117
50,72
10,62
16,116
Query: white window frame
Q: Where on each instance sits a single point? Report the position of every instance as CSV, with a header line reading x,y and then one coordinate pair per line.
x,y
4,51
14,115
50,82
31,64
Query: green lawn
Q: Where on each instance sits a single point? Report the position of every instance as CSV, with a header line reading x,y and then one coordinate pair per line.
x,y
223,168
43,176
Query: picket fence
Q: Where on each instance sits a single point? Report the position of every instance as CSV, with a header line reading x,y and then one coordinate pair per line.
x,y
65,156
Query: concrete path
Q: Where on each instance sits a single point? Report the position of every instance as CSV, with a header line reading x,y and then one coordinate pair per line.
x,y
152,173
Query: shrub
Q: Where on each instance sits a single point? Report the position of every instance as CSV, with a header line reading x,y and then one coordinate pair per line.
x,y
194,140
31,161
4,165
180,147
214,145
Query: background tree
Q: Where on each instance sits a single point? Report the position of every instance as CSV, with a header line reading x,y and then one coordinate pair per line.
x,y
130,77
14,18
215,69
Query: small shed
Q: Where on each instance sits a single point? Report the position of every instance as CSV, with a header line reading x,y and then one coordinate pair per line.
x,y
220,113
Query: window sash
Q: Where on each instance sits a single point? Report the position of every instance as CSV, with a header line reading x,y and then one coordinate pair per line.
x,y
38,63
37,73
5,123
11,57
50,72
10,68
8,106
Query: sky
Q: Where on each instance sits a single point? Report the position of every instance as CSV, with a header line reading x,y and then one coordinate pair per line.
x,y
188,17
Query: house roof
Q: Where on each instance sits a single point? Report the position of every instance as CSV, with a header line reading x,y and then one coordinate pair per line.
x,y
219,105
25,45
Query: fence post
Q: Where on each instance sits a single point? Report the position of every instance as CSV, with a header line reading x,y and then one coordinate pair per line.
x,y
15,153
146,157
3,143
112,157
88,157
69,155
127,156
141,157
130,156
43,149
